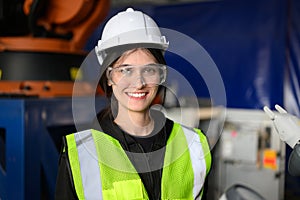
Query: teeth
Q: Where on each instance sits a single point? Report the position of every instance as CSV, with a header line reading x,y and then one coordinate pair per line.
x,y
136,94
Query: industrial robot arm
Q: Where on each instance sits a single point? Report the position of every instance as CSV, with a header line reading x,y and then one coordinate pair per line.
x,y
287,125
288,128
55,25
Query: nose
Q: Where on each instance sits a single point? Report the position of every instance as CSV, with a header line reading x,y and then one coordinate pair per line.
x,y
139,82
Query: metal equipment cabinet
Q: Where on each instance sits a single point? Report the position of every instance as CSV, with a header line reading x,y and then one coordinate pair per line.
x,y
30,139
250,153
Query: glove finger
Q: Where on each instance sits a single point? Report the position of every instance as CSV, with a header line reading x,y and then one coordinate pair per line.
x,y
280,109
269,112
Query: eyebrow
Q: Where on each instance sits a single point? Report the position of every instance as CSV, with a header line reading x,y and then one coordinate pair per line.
x,y
126,65
122,65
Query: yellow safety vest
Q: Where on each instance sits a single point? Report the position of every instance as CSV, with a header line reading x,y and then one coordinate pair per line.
x,y
102,170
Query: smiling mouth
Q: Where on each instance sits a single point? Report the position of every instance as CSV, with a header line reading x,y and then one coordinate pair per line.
x,y
136,95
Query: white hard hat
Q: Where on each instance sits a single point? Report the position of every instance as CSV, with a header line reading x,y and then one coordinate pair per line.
x,y
128,30
131,28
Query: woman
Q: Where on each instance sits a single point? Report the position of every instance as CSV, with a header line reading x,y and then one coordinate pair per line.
x,y
133,151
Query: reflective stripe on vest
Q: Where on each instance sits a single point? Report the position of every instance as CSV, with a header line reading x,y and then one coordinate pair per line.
x,y
84,165
198,163
103,171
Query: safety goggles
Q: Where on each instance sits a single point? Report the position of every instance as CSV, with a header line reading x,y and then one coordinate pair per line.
x,y
150,74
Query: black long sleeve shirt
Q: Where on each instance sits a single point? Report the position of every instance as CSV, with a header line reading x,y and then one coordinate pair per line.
x,y
148,166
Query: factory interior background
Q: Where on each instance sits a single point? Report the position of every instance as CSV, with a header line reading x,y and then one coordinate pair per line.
x,y
254,45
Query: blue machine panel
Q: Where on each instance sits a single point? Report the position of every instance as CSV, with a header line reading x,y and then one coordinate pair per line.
x,y
30,140
12,174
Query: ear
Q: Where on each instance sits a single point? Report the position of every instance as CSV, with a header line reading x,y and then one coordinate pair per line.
x,y
109,83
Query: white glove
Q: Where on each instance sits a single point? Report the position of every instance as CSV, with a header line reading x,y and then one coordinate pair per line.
x,y
287,125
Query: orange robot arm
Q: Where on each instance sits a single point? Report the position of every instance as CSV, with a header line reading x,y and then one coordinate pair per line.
x,y
58,26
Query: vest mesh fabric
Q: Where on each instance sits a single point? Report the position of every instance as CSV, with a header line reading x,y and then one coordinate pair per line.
x,y
120,180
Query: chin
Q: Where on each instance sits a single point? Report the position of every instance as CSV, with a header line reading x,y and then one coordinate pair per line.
x,y
138,108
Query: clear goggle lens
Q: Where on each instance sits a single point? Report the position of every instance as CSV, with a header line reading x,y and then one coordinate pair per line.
x,y
151,74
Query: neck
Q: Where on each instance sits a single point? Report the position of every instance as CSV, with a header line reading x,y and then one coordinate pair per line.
x,y
136,123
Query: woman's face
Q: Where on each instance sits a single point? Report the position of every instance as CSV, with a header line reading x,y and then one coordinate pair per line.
x,y
133,79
